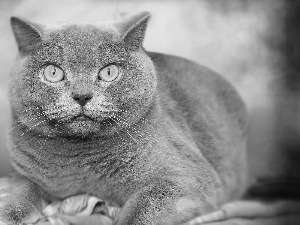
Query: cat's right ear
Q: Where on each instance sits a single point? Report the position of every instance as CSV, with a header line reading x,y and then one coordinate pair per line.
x,y
27,34
133,30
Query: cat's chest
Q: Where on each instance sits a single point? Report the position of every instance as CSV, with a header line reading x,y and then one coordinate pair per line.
x,y
67,178
96,167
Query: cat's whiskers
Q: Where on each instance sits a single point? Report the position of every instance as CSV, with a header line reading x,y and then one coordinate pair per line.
x,y
56,112
148,122
136,141
41,122
25,111
123,121
33,112
58,108
116,130
31,109
23,120
149,136
144,121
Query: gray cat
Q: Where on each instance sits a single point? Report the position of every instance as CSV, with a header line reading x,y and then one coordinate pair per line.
x,y
93,112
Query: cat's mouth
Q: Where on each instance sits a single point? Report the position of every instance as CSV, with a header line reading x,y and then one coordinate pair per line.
x,y
79,118
82,117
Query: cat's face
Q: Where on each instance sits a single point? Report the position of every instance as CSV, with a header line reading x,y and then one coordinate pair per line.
x,y
81,79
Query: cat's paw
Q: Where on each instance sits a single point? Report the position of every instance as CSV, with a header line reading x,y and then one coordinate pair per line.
x,y
20,201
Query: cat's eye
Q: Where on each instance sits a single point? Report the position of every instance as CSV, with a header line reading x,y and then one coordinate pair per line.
x,y
53,74
109,73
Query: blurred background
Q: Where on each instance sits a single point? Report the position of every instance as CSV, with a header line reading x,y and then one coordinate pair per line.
x,y
246,41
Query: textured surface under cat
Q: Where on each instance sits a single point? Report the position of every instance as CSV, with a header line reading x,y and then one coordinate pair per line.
x,y
240,212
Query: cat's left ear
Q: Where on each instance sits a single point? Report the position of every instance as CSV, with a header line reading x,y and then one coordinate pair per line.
x,y
27,34
133,30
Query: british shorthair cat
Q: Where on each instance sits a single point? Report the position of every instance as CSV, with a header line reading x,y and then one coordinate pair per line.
x,y
94,112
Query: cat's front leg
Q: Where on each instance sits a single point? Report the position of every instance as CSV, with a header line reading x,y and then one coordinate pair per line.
x,y
20,200
163,203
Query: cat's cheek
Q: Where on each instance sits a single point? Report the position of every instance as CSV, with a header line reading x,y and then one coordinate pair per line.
x,y
128,94
143,96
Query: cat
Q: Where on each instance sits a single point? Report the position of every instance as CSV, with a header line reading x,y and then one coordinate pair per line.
x,y
94,112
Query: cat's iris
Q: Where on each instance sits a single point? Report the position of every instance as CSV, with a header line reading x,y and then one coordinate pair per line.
x,y
53,73
109,73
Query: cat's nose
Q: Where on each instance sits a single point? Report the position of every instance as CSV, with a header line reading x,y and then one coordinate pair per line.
x,y
82,99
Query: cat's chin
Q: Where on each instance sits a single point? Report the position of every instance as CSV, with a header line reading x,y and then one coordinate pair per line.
x,y
81,126
85,126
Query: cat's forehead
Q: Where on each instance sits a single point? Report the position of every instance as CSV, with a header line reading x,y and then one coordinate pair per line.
x,y
66,42
81,45
83,34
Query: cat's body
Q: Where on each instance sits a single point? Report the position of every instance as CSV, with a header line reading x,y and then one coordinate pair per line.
x,y
171,147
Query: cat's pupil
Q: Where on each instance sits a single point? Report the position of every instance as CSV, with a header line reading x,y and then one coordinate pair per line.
x,y
53,71
108,71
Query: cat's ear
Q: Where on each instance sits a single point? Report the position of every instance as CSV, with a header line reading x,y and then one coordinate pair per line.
x,y
27,34
133,30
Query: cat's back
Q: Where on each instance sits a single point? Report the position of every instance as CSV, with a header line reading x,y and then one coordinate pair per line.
x,y
192,86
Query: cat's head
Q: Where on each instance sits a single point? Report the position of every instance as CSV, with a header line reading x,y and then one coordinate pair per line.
x,y
77,79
